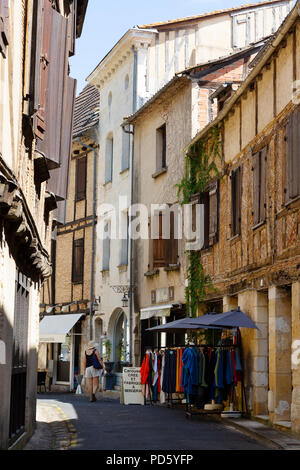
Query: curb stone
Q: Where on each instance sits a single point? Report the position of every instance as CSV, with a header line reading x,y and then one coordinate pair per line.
x,y
265,434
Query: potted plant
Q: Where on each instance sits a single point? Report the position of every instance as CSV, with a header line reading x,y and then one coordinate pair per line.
x,y
108,364
122,355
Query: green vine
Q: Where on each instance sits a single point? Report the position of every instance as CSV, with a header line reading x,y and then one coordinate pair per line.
x,y
200,168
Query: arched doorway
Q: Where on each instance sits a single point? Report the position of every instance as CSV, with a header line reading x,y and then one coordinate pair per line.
x,y
118,332
120,341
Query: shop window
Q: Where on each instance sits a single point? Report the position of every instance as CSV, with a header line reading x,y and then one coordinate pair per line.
x,y
81,166
259,186
78,260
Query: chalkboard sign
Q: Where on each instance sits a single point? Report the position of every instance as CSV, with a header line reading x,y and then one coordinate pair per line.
x,y
132,387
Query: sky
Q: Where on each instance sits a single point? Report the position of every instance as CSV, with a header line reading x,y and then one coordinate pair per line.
x,y
107,21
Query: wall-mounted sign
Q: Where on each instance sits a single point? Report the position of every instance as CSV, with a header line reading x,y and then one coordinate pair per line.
x,y
132,387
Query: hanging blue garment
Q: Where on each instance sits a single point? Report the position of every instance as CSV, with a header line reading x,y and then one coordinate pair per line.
x,y
229,369
238,363
189,371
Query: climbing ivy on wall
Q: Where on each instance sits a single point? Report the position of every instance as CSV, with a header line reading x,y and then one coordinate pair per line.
x,y
200,168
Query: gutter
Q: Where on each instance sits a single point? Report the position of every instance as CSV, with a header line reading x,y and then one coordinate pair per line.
x,y
282,31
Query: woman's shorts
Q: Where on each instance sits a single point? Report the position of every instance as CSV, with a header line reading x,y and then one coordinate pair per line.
x,y
91,372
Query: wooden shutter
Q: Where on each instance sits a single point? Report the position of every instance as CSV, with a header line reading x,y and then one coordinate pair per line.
x,y
72,27
159,245
78,260
256,185
204,199
4,26
56,92
124,246
213,213
81,178
262,194
109,160
106,250
236,185
125,151
172,244
292,189
43,39
59,178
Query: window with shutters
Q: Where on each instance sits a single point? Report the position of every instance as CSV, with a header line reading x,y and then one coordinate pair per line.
x,y
43,41
125,151
210,200
165,245
259,186
292,138
109,160
161,148
78,260
106,248
236,198
80,193
4,26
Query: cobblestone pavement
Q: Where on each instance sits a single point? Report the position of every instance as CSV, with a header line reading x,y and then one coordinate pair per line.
x,y
68,421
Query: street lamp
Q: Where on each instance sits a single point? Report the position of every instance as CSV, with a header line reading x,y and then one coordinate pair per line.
x,y
124,300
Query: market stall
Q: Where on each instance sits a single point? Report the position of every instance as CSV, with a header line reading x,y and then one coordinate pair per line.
x,y
204,375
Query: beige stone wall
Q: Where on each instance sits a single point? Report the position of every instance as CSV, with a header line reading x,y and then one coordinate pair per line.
x,y
176,112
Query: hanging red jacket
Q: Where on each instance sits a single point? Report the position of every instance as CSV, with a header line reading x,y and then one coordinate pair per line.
x,y
145,370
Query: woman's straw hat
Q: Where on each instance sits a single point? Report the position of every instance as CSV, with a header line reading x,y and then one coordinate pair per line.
x,y
91,345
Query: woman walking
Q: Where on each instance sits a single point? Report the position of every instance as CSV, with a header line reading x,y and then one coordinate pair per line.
x,y
94,368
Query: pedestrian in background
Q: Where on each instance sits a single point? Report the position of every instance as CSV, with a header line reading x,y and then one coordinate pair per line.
x,y
94,368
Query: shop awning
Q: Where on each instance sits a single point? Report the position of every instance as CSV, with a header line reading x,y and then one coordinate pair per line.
x,y
176,326
53,328
156,311
232,319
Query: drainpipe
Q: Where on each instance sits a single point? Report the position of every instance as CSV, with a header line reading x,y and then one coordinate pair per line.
x,y
134,98
92,293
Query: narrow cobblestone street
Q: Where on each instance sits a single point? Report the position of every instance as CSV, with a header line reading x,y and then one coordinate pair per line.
x,y
75,423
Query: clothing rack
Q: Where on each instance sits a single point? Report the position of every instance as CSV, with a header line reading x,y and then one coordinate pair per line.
x,y
188,405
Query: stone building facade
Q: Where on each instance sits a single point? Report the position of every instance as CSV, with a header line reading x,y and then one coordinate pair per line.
x,y
29,174
144,60
254,261
72,282
180,108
